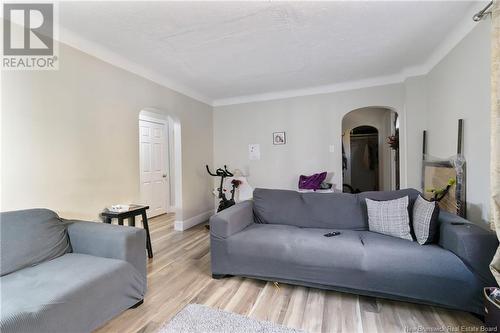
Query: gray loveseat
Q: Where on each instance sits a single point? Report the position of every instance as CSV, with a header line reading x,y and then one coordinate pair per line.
x,y
67,276
279,237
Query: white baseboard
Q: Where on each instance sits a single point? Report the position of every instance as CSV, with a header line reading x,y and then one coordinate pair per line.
x,y
191,222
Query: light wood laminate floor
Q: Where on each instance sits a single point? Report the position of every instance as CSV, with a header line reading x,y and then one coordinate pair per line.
x,y
180,274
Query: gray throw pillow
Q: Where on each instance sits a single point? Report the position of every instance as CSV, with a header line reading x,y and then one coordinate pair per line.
x,y
389,217
425,215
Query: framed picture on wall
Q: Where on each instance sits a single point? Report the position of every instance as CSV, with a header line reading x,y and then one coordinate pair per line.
x,y
279,138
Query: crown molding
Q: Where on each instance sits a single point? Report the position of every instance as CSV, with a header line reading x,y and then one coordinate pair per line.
x,y
74,40
463,27
317,90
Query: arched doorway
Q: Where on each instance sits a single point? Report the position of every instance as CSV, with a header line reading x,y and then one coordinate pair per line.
x,y
370,150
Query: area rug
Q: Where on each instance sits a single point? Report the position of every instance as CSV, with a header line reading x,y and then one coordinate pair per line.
x,y
195,318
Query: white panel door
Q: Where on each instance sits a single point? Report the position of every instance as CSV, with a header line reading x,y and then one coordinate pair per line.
x,y
153,166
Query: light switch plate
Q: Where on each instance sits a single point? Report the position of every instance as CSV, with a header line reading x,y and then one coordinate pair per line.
x,y
331,149
254,151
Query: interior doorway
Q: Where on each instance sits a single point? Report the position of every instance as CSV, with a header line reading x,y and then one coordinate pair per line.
x,y
364,170
160,175
154,161
370,150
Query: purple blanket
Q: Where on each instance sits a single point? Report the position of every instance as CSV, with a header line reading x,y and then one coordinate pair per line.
x,y
311,182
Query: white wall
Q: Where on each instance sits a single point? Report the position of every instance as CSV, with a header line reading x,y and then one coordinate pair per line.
x,y
70,138
311,123
459,87
416,118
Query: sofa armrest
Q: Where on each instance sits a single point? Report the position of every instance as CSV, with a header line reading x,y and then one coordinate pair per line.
x,y
232,220
109,241
473,244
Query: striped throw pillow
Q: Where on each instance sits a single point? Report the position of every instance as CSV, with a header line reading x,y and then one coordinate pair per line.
x,y
425,215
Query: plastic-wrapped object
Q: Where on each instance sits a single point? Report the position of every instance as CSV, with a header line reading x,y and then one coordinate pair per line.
x,y
492,308
446,175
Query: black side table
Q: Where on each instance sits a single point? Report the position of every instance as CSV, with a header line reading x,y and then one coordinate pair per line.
x,y
130,214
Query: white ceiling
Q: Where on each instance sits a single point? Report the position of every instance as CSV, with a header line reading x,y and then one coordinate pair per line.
x,y
220,51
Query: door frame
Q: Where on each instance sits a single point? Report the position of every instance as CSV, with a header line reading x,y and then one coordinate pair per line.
x,y
153,116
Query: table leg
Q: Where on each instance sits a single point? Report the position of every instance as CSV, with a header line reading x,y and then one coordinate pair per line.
x,y
131,221
148,238
107,220
120,220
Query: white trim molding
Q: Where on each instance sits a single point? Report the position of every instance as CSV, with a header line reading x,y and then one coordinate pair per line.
x,y
101,52
153,115
181,225
325,89
464,26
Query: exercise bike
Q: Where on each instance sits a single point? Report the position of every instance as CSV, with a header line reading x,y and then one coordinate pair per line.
x,y
224,202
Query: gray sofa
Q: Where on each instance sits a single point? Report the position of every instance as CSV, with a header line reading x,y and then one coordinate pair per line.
x,y
67,276
279,237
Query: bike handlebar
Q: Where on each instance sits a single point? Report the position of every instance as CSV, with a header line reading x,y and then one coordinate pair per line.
x,y
220,172
208,170
229,174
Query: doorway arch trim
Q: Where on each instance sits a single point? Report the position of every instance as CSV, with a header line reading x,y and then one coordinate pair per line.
x,y
402,135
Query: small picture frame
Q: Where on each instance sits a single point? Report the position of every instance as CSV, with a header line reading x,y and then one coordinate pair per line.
x,y
279,138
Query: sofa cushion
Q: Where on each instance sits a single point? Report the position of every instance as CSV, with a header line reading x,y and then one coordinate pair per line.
x,y
309,210
362,261
429,273
72,293
29,237
389,217
425,220
292,250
